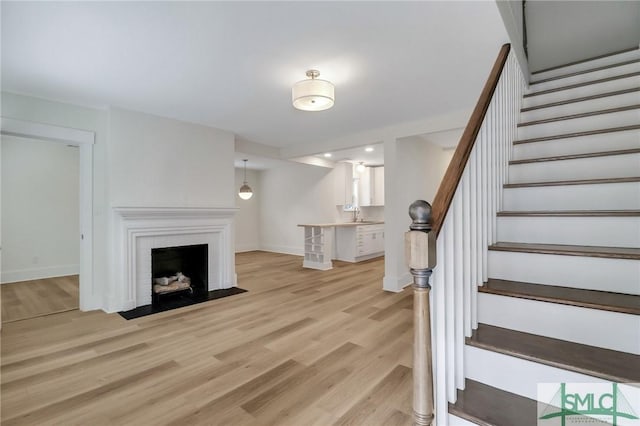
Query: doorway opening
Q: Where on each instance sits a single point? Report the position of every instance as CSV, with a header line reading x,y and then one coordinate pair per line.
x,y
46,219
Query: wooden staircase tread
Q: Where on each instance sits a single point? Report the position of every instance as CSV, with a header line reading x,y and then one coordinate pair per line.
x,y
488,406
576,156
582,99
580,115
582,61
570,213
583,84
593,299
573,182
573,74
578,134
590,360
569,250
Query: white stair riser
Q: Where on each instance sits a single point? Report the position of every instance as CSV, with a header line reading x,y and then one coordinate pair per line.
x,y
607,102
591,273
516,375
610,166
578,92
581,78
587,231
595,122
574,324
578,145
609,196
608,60
457,421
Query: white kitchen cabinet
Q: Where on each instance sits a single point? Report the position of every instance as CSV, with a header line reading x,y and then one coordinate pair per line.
x,y
343,185
364,186
377,182
359,242
371,186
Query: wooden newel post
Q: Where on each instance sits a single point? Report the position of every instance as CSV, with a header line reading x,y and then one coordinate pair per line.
x,y
420,254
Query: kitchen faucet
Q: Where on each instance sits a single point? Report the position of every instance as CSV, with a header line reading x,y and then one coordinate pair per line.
x,y
356,212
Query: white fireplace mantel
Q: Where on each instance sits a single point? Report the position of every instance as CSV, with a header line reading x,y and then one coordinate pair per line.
x,y
138,230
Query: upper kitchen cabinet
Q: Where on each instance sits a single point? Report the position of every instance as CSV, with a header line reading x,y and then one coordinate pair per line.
x,y
378,186
371,186
343,185
354,188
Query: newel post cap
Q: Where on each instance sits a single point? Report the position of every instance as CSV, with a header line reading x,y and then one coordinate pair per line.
x,y
420,213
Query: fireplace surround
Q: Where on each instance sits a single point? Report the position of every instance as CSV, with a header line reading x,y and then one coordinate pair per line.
x,y
139,230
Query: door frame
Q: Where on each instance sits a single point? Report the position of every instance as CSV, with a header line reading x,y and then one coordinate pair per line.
x,y
84,139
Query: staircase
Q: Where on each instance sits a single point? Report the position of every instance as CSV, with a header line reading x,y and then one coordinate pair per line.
x,y
562,298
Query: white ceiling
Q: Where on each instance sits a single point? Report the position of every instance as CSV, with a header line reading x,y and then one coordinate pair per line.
x,y
256,162
231,65
560,32
359,155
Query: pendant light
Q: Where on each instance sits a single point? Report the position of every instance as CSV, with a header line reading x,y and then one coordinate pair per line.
x,y
245,190
313,94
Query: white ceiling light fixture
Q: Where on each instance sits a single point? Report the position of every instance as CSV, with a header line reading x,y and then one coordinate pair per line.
x,y
360,167
369,149
245,190
313,94
327,155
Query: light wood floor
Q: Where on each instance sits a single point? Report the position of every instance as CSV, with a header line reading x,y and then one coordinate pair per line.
x,y
302,347
30,299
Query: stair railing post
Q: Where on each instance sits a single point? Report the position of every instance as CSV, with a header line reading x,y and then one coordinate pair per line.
x,y
420,254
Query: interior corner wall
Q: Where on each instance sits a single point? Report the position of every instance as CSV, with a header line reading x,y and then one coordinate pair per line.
x,y
418,170
40,209
161,162
293,194
247,220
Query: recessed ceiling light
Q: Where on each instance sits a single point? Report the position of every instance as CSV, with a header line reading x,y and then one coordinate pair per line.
x,y
369,149
327,155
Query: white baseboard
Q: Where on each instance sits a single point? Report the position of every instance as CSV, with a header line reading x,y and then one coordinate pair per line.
x,y
396,284
241,248
38,273
296,251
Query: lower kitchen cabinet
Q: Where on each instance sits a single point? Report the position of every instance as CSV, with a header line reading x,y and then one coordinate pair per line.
x,y
360,242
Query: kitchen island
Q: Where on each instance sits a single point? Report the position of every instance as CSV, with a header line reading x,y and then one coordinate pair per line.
x,y
347,241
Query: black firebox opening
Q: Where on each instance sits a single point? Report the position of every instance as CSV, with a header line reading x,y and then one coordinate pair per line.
x,y
192,261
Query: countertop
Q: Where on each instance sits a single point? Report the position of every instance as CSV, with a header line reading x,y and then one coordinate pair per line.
x,y
340,224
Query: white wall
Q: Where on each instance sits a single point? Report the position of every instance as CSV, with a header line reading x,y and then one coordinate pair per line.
x,y
66,115
130,148
559,32
416,169
247,221
293,194
40,209
156,161
512,17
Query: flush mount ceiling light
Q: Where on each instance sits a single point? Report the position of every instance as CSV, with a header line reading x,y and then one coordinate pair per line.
x,y
369,149
327,155
313,94
360,167
245,190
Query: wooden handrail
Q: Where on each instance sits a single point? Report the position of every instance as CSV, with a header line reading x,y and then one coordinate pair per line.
x,y
452,176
